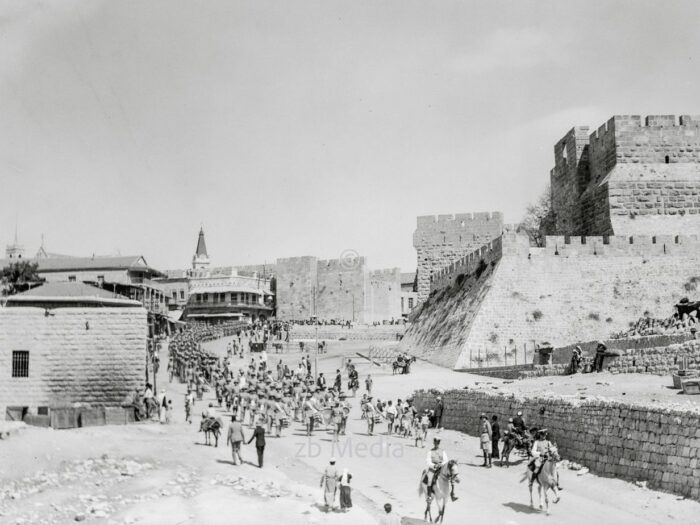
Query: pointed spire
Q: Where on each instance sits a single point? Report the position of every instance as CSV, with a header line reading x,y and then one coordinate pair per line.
x,y
201,245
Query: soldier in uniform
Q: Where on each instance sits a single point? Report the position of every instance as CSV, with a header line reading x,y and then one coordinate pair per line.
x,y
436,459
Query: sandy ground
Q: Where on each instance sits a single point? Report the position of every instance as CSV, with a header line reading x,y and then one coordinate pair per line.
x,y
162,474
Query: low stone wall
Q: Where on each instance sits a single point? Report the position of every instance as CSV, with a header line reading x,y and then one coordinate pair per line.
x,y
357,333
639,359
502,372
634,443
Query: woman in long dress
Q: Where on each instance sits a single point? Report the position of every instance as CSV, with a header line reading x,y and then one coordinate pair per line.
x,y
345,491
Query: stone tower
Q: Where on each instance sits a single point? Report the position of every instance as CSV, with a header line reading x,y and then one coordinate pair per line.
x,y
631,176
200,260
440,241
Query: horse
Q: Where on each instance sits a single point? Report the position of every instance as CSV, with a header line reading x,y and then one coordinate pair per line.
x,y
547,479
211,426
448,474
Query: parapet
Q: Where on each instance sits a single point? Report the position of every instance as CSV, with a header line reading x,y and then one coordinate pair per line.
x,y
618,246
466,265
385,273
341,264
430,220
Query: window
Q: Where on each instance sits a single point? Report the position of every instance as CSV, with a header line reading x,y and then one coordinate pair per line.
x,y
182,294
234,297
174,295
20,363
71,278
410,303
205,297
215,297
222,297
667,159
100,279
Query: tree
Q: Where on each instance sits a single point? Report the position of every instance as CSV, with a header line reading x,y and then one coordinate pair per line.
x,y
19,276
539,219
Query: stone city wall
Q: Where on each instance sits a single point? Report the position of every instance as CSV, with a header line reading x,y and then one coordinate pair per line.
x,y
626,441
442,239
76,355
341,290
296,282
573,289
383,295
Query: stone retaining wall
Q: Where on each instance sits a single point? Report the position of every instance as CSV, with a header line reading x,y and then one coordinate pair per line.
x,y
357,333
634,443
660,360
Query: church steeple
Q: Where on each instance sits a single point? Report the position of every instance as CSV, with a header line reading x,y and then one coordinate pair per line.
x,y
15,250
200,261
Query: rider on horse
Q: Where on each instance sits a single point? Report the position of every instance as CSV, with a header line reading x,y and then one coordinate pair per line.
x,y
540,451
436,459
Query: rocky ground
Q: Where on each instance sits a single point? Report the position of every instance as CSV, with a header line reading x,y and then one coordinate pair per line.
x,y
162,474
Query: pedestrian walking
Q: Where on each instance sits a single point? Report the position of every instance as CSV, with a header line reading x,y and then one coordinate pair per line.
x,y
599,357
391,416
329,483
259,437
235,438
368,384
439,408
345,491
485,433
495,437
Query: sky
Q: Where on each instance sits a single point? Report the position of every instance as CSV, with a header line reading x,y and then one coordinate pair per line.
x,y
290,128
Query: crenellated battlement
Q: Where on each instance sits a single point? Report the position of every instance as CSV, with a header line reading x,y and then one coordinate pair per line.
x,y
458,218
628,167
385,273
561,246
341,264
618,245
442,239
467,264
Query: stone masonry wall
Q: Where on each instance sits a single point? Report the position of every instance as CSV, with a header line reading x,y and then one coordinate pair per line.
x,y
440,240
383,295
657,360
569,178
341,289
440,328
629,177
634,443
69,362
296,281
571,290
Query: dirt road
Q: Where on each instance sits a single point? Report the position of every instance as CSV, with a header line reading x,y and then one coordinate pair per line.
x,y
161,474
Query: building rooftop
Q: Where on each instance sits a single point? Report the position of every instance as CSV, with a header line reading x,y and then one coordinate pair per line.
x,y
62,264
70,292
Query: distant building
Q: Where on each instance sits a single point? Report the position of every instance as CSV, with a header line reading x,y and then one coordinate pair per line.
x,y
216,295
409,293
14,250
129,276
